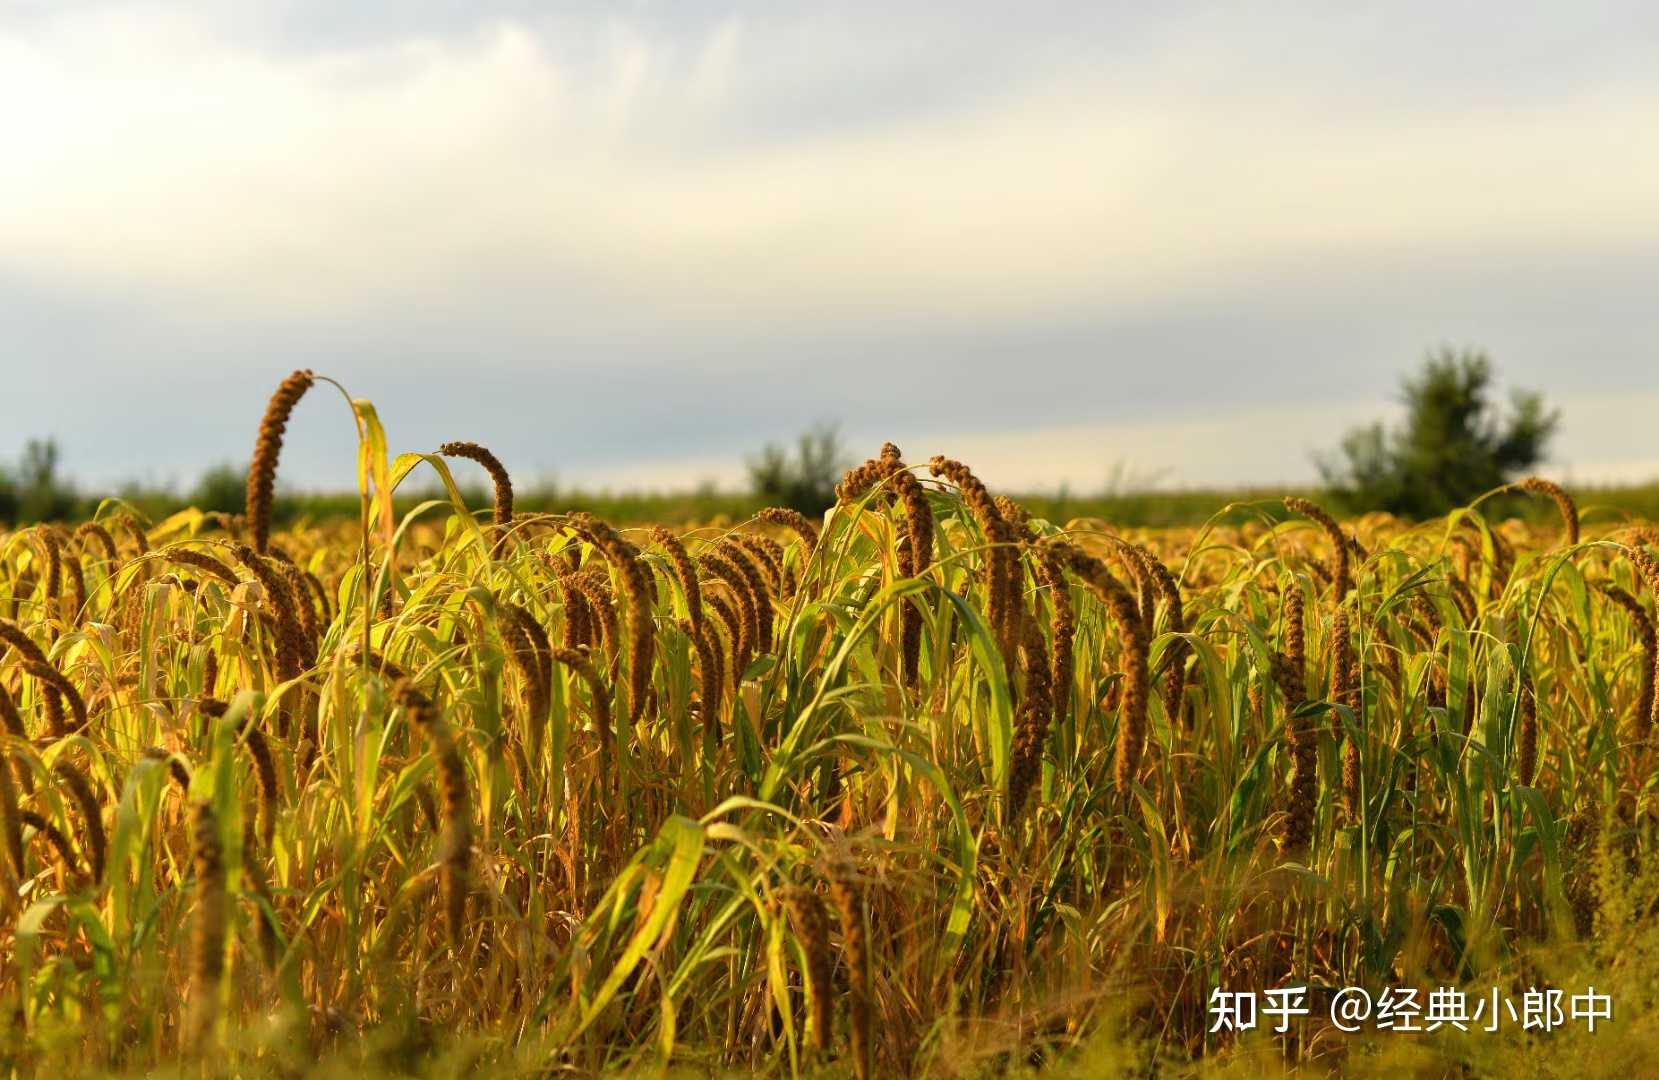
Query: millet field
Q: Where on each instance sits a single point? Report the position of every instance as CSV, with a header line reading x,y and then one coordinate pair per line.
x,y
926,786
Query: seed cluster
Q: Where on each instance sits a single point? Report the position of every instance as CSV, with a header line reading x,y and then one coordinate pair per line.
x,y
262,472
502,483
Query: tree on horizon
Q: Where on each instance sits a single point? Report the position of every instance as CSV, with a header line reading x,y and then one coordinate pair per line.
x,y
1456,443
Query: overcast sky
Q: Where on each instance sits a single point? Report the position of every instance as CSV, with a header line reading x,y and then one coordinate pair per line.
x,y
625,244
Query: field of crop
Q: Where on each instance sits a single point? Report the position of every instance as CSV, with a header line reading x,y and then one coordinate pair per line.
x,y
925,787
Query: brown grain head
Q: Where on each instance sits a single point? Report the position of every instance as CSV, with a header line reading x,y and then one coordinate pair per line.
x,y
1133,646
455,842
267,449
847,894
810,923
1341,547
685,572
207,947
795,521
1526,737
1564,503
91,809
499,479
1005,591
94,531
1647,707
636,585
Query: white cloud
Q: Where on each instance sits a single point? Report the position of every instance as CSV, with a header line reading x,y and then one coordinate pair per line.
x,y
146,153
1004,233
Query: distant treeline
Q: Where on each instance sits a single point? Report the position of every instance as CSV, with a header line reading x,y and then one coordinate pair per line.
x,y
1137,509
1457,442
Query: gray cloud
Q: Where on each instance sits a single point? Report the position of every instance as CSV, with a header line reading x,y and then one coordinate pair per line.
x,y
611,243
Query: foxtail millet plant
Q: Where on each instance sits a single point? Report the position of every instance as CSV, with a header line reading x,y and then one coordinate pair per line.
x,y
11,723
455,841
289,658
75,574
636,586
35,662
1463,599
1290,673
578,616
540,644
767,556
1005,591
1647,708
1017,516
58,689
1140,582
1339,666
95,531
710,675
595,590
1341,548
714,643
56,838
177,768
1033,716
135,529
913,538
91,810
212,918
48,541
1345,691
201,561
267,448
985,941
11,825
1537,485
499,479
519,631
736,629
1164,586
1132,644
580,662
848,898
1647,566
265,902
1526,738
795,521
305,613
747,566
264,762
1062,627
685,571
859,479
810,922
15,636
1352,759
744,622
917,544
1424,626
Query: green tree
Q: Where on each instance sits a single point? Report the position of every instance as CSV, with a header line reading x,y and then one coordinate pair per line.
x,y
806,481
41,494
224,487
1455,444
